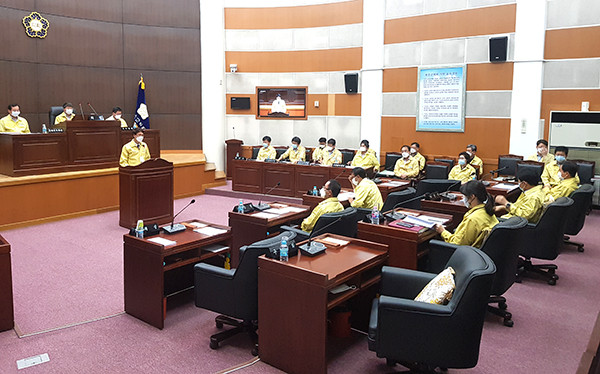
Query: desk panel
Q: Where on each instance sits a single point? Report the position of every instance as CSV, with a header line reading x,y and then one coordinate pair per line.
x,y
247,176
308,177
279,173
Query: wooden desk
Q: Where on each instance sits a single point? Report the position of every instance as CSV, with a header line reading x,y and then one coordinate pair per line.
x,y
511,195
250,228
293,300
405,247
153,272
7,320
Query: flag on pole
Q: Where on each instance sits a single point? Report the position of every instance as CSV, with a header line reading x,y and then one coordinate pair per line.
x,y
141,113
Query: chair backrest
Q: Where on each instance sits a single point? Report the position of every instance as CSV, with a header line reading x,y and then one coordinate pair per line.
x,y
346,226
437,185
500,246
510,163
437,170
390,160
54,111
309,152
585,170
536,167
582,201
347,155
544,239
279,151
448,160
255,151
398,197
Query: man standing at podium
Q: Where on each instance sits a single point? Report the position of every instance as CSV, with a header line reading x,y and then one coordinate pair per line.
x,y
14,123
136,151
66,115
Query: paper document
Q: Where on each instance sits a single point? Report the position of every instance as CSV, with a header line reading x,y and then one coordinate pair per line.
x,y
276,211
197,224
505,186
393,184
292,209
210,231
334,241
344,196
265,215
441,221
162,241
419,222
387,173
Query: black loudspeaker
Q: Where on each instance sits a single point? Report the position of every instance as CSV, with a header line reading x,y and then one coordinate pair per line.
x,y
498,48
351,82
240,103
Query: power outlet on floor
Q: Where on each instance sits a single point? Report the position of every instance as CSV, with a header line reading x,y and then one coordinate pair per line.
x,y
32,361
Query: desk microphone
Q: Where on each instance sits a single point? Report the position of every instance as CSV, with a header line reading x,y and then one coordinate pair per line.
x,y
492,172
173,229
311,248
94,111
392,216
262,206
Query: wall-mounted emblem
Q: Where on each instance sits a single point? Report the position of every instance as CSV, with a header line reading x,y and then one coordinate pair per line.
x,y
36,26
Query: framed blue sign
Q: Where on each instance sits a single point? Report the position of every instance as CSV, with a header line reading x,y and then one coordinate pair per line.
x,y
441,99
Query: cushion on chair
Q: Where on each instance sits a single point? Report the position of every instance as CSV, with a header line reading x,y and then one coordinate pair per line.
x,y
440,289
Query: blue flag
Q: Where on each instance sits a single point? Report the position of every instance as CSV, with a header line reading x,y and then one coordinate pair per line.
x,y
141,118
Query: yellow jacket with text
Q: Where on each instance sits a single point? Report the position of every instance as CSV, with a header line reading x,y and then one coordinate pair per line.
x,y
529,205
365,161
367,195
420,159
410,167
550,175
133,155
63,117
318,154
330,205
266,153
295,155
462,174
333,157
7,124
563,188
546,159
473,229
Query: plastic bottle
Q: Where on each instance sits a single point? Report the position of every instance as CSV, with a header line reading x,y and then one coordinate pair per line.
x,y
375,215
44,129
315,191
241,207
283,250
139,229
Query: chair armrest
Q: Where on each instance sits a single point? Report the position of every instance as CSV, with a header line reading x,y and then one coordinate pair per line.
x,y
439,254
300,234
408,305
209,270
404,283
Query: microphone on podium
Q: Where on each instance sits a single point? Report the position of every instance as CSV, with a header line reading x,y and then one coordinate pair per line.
x,y
173,229
97,116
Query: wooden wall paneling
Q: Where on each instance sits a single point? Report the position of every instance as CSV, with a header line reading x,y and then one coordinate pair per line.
x,y
566,100
105,10
577,42
15,44
348,105
180,13
497,76
400,80
178,131
28,5
18,85
161,48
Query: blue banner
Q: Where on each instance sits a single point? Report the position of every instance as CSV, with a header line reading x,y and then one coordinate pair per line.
x,y
141,118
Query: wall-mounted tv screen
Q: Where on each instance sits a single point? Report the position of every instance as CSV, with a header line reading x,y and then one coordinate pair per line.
x,y
281,102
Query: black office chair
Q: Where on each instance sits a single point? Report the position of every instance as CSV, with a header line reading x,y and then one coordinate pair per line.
x,y
426,186
536,167
500,246
425,336
279,151
234,292
54,111
347,155
582,202
544,240
437,170
510,163
346,225
585,170
390,160
255,151
446,160
398,197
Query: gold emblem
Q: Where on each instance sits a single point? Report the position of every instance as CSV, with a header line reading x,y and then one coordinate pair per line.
x,y
36,26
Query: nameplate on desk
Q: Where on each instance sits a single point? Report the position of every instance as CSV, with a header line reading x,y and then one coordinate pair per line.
x,y
270,160
338,165
303,163
333,241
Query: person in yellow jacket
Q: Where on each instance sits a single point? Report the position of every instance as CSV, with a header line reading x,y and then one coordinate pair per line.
x,y
406,167
295,152
550,177
331,155
267,151
475,161
13,122
366,192
567,184
477,222
414,152
331,204
136,151
530,203
66,115
463,171
117,112
542,154
364,158
318,153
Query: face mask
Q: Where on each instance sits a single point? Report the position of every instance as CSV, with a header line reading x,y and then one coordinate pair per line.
x,y
466,202
117,116
295,146
15,113
462,161
323,192
560,159
405,154
329,148
69,111
321,146
363,149
139,139
354,182
469,153
265,145
413,151
540,151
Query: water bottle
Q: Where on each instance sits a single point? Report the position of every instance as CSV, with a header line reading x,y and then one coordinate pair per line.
x,y
375,215
315,191
241,207
283,250
139,229
44,129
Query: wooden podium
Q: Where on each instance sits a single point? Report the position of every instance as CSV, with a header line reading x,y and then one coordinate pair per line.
x,y
6,294
234,146
146,193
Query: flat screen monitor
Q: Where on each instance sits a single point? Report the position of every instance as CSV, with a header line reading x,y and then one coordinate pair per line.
x,y
281,102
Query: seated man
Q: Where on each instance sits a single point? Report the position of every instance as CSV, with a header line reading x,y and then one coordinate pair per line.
x,y
567,184
318,153
267,151
66,115
116,116
295,152
331,155
331,204
364,158
475,161
530,203
463,171
550,174
12,122
136,151
406,167
367,194
414,152
542,154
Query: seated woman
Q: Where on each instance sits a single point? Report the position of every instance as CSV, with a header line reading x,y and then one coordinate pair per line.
x,y
477,222
463,171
